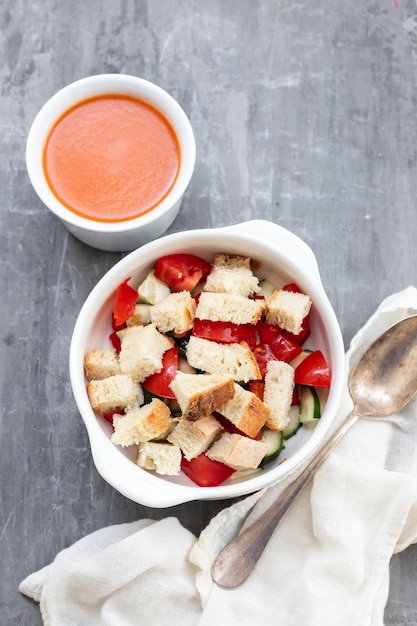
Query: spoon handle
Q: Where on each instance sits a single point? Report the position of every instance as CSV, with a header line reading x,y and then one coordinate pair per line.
x,y
235,562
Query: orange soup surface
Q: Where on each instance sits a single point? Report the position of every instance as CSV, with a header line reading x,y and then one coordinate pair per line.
x,y
111,158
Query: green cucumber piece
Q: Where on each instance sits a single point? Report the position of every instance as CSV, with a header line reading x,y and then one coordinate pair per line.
x,y
266,289
310,410
152,290
295,422
274,441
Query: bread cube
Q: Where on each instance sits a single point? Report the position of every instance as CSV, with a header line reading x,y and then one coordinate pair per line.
x,y
246,411
150,421
195,437
99,364
113,393
142,349
164,458
238,451
232,274
278,393
175,313
287,309
198,395
229,307
235,359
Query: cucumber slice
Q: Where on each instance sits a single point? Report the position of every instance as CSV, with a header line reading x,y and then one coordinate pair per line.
x,y
153,290
274,440
295,422
141,314
266,289
310,410
300,358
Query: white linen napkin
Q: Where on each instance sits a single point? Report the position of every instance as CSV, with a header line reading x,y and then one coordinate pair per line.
x,y
327,564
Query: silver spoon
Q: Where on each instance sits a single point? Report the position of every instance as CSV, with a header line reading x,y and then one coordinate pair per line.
x,y
382,382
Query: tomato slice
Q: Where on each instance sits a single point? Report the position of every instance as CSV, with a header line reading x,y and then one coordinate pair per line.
x,y
206,472
313,371
125,303
229,427
257,387
182,271
158,383
263,354
282,345
225,332
115,341
292,287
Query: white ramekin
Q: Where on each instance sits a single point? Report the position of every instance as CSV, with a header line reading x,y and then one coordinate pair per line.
x,y
128,234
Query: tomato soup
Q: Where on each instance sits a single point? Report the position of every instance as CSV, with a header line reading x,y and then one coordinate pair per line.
x,y
111,158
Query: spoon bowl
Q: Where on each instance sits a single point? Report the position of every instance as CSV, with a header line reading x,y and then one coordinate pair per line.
x,y
381,383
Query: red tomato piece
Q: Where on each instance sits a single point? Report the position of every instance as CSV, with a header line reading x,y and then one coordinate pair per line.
x,y
295,396
292,287
313,371
303,334
205,472
229,427
158,383
225,332
263,354
257,387
125,303
282,345
115,341
285,348
182,271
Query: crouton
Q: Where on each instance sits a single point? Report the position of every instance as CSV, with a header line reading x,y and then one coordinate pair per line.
x,y
114,393
287,309
99,364
246,411
232,274
198,395
278,393
164,458
195,437
175,313
235,360
150,421
238,451
142,349
229,307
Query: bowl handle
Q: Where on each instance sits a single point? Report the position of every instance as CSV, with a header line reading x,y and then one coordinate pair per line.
x,y
278,236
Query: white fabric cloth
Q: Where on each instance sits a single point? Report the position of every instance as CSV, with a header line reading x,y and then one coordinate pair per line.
x,y
327,564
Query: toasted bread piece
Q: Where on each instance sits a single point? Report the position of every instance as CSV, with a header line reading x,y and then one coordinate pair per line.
x,y
278,393
164,458
246,411
238,451
150,421
195,437
99,364
142,349
198,395
229,307
287,309
232,274
113,393
175,313
235,360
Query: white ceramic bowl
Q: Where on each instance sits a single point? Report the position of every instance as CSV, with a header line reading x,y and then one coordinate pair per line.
x,y
284,258
128,234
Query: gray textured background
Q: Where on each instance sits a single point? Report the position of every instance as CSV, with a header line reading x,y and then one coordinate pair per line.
x,y
304,113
